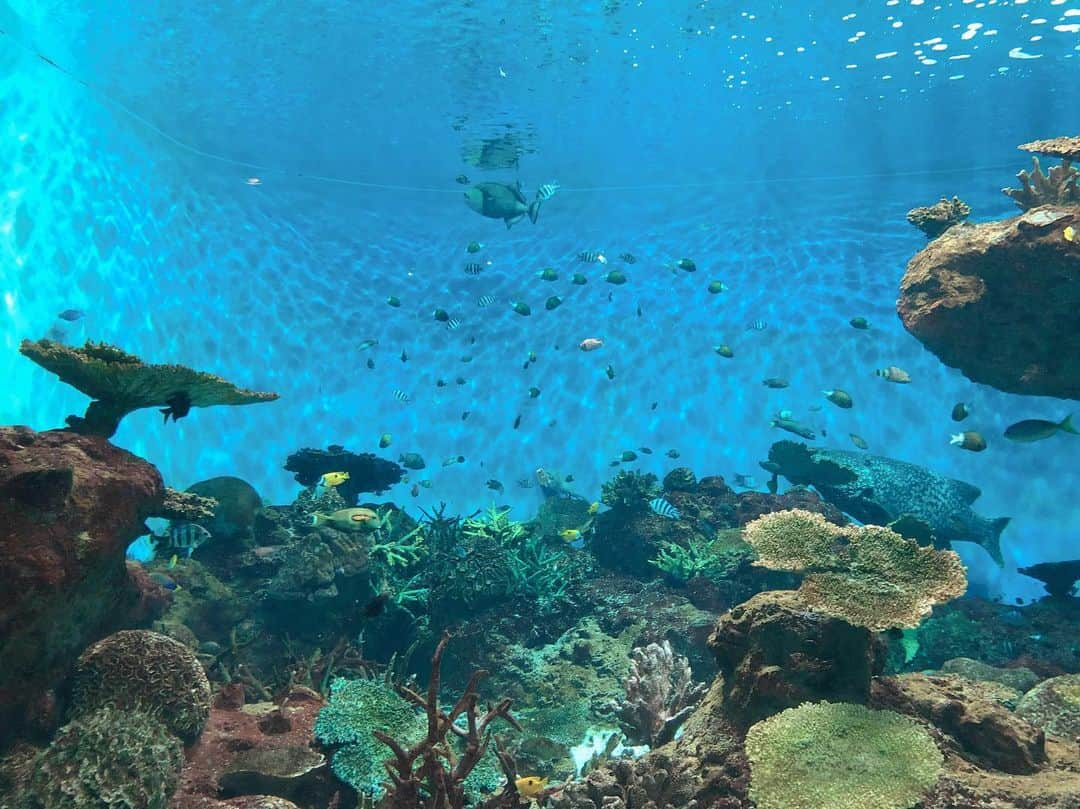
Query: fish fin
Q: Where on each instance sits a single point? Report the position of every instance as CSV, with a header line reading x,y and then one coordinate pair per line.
x,y
534,210
1067,426
317,519
166,412
993,542
968,492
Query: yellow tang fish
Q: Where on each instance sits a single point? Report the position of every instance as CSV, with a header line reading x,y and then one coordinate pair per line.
x,y
331,479
530,786
1069,233
594,507
570,534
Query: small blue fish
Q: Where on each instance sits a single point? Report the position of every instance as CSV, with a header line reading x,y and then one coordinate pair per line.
x,y
71,315
662,507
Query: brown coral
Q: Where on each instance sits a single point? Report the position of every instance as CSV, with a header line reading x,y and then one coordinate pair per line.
x,y
1067,148
933,220
1058,187
142,670
660,694
120,383
867,575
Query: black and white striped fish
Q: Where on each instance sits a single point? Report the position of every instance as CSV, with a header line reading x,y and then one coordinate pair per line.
x,y
452,324
662,507
547,190
473,268
757,325
592,257
402,396
485,300
181,537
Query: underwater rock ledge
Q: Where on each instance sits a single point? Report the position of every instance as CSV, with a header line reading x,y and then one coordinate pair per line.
x,y
998,301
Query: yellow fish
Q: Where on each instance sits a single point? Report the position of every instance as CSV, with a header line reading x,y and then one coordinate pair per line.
x,y
1069,233
172,562
530,786
593,508
331,479
570,535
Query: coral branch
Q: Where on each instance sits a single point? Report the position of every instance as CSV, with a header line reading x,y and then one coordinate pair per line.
x,y
660,695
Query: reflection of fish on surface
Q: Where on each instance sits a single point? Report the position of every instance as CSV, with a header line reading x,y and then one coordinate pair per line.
x,y
878,490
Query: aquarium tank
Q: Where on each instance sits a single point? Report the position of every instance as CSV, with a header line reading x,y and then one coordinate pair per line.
x,y
622,404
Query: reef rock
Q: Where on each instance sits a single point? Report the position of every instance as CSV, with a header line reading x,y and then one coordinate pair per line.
x,y
775,652
69,507
1054,705
983,731
998,301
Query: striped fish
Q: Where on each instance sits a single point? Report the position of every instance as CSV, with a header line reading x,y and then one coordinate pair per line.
x,y
547,190
757,325
662,507
473,268
591,257
485,300
402,396
185,536
452,324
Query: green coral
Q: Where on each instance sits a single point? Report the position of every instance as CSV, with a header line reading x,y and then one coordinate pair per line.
x,y
840,756
715,558
630,490
110,758
868,575
495,525
145,671
356,708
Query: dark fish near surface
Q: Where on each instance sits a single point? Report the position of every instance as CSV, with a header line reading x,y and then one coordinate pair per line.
x,y
521,308
859,323
960,411
394,301
461,179
858,441
840,398
878,490
474,247
71,315
615,277
1038,429
629,258
686,264
411,460
183,537
495,485
502,201
672,453
179,405
774,382
548,274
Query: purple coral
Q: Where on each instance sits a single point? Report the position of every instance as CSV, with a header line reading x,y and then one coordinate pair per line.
x,y
660,695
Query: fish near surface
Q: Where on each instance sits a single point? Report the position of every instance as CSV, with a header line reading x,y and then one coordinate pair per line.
x,y
502,201
878,490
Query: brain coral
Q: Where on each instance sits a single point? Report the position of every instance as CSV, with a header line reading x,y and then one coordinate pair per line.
x,y
109,758
840,756
867,575
142,670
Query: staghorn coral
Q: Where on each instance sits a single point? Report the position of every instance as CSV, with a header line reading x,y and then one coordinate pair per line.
x,y
933,220
109,758
840,756
144,671
1059,187
120,383
866,575
660,695
714,558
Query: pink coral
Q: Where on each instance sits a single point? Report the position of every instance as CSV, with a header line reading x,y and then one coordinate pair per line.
x,y
660,694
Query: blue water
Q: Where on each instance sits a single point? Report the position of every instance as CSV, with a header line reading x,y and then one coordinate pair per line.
x,y
775,144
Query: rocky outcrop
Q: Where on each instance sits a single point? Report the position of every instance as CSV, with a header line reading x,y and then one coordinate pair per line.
x,y
998,301
69,507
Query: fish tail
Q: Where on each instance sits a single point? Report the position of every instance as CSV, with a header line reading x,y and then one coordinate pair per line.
x,y
534,209
166,412
317,519
1067,425
993,544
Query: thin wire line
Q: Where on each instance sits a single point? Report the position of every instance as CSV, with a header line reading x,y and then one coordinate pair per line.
x,y
257,167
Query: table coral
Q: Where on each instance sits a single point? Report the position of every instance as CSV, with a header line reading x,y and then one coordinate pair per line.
x,y
867,575
840,756
120,383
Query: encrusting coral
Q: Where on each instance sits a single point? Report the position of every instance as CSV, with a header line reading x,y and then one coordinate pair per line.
x,y
933,220
120,383
840,756
868,575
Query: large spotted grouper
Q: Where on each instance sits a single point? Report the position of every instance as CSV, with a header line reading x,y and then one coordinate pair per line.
x,y
878,490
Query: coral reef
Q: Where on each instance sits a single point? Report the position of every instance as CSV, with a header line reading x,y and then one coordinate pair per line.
x,y
367,472
840,756
139,670
1018,678
660,694
775,652
979,728
107,758
69,507
997,300
1054,705
880,490
714,558
120,383
933,220
1058,187
630,490
868,575
186,507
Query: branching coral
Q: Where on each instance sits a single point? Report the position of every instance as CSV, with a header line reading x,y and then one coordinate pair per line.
x,y
713,558
120,383
1059,187
840,756
630,490
869,576
495,524
933,220
660,695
